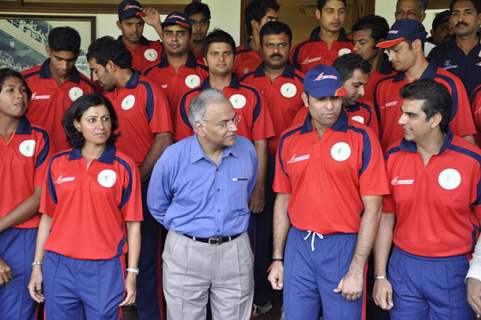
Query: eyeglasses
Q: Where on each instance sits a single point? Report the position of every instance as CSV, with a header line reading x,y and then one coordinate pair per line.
x,y
225,124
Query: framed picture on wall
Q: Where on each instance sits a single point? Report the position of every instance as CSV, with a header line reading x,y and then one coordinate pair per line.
x,y
23,38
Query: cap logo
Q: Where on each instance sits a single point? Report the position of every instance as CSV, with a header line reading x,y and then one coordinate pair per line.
x,y
132,6
323,76
176,17
393,32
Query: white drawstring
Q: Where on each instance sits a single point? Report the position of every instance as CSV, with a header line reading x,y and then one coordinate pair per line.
x,y
313,234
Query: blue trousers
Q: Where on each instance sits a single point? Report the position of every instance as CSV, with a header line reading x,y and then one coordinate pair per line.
x,y
428,288
73,287
17,249
314,265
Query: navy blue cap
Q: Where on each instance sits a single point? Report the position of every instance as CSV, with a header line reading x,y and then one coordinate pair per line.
x,y
130,8
401,30
177,18
323,81
441,18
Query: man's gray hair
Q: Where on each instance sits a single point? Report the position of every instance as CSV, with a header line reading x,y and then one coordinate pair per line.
x,y
198,105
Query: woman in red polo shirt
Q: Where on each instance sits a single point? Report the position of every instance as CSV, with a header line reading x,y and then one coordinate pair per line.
x,y
92,209
23,152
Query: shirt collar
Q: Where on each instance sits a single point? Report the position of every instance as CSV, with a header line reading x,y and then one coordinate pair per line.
x,y
342,35
191,61
410,146
24,126
196,152
288,72
108,156
143,41
340,125
133,81
234,83
45,72
429,73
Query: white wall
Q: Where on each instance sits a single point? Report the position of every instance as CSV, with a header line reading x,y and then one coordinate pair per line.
x,y
225,15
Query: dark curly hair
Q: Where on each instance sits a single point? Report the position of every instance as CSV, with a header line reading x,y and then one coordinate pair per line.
x,y
75,112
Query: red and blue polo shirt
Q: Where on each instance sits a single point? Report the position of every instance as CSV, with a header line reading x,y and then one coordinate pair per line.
x,y
143,110
283,97
363,112
90,205
388,101
314,51
437,206
177,83
23,164
327,177
466,66
246,60
50,100
145,54
255,121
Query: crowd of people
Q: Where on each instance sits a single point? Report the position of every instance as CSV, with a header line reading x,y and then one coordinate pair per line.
x,y
193,177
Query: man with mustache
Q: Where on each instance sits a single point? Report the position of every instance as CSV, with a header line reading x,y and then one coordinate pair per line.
x,y
281,86
462,54
258,13
405,43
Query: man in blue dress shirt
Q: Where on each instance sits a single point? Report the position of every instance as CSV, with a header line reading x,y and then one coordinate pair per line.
x,y
199,191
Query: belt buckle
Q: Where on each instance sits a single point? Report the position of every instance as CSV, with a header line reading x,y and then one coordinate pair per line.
x,y
215,240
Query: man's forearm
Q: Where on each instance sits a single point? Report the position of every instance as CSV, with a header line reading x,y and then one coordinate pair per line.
x,y
261,151
162,141
383,243
281,225
367,232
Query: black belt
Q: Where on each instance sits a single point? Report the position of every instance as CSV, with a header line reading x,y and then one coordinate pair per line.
x,y
213,240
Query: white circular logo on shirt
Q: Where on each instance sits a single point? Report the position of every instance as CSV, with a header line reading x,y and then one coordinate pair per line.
x,y
238,101
449,179
128,102
107,178
340,151
27,148
343,51
288,90
359,119
192,81
150,54
75,93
